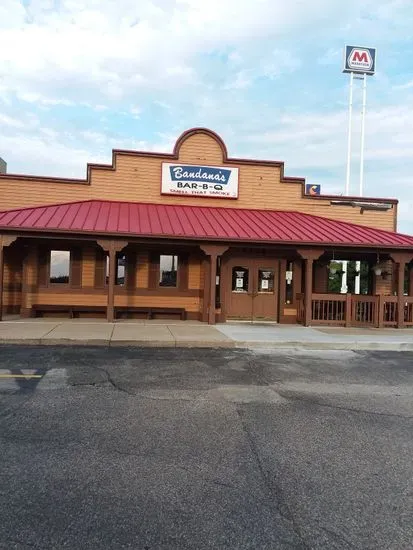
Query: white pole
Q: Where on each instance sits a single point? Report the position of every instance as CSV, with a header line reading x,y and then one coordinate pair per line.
x,y
350,123
363,128
347,189
361,183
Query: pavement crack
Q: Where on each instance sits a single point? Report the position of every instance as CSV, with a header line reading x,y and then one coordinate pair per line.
x,y
107,379
290,395
274,490
114,384
207,479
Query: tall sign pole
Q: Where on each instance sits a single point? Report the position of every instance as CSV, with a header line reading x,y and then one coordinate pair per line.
x,y
357,61
361,181
350,128
363,129
344,287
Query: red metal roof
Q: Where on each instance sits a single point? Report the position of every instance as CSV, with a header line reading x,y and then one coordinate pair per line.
x,y
197,222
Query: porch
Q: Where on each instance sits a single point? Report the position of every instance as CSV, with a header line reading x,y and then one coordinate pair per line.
x,y
349,310
206,264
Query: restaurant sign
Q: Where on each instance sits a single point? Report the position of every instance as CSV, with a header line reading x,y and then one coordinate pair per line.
x,y
202,181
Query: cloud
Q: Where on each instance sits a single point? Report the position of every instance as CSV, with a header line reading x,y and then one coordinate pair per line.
x,y
80,77
406,86
110,50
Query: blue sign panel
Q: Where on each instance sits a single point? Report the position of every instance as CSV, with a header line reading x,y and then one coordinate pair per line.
x,y
359,60
200,174
311,189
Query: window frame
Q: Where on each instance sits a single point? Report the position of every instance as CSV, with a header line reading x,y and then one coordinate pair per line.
x,y
106,267
178,269
49,282
182,277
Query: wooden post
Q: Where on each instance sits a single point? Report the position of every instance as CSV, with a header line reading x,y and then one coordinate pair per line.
x,y
410,280
380,307
310,256
212,288
110,312
112,247
282,291
400,294
213,251
308,293
349,310
5,240
1,279
401,259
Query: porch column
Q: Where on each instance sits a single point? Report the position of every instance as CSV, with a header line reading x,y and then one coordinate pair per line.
x,y
410,280
112,247
401,259
5,240
309,256
213,251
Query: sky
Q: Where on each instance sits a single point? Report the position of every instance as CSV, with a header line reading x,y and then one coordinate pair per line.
x,y
80,77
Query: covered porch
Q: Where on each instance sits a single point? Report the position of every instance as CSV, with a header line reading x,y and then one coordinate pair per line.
x,y
386,300
200,263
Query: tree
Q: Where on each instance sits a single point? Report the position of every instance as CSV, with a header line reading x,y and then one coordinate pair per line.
x,y
334,280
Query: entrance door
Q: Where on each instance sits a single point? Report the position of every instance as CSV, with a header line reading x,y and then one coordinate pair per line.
x,y
252,289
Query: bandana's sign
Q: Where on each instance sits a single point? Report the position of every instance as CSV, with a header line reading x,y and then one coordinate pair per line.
x,y
203,181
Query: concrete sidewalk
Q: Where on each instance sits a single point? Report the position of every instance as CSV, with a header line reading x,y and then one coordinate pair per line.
x,y
162,333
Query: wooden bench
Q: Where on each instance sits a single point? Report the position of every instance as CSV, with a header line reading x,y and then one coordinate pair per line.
x,y
150,312
72,310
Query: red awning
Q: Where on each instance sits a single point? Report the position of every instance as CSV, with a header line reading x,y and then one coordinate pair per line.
x,y
198,223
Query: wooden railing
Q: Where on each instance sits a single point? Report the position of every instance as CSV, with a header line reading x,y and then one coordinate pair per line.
x,y
408,311
300,308
355,310
328,309
388,311
364,310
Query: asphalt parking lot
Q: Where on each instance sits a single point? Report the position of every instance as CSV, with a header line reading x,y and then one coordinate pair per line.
x,y
149,449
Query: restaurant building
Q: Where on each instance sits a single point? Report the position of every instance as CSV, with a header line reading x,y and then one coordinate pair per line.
x,y
196,234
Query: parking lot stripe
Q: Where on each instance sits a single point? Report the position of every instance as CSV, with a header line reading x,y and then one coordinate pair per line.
x,y
27,376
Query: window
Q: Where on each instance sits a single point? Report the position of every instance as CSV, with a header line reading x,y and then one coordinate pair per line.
x,y
289,285
168,270
120,269
59,266
266,281
240,279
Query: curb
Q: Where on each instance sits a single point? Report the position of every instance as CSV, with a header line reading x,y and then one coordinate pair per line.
x,y
252,345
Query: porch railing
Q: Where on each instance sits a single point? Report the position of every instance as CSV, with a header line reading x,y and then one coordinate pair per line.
x,y
329,309
364,310
408,311
300,308
355,310
389,310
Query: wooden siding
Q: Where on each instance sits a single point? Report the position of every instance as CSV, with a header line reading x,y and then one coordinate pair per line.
x,y
320,279
31,294
386,286
138,179
142,271
194,273
12,278
88,266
